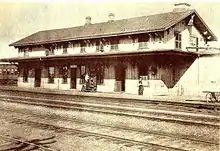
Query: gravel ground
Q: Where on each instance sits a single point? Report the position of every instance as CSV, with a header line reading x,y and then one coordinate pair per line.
x,y
202,132
63,142
68,142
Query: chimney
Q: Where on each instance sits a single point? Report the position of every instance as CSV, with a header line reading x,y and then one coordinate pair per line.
x,y
111,17
88,20
181,7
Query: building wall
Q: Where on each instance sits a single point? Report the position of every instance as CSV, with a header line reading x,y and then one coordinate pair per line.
x,y
193,78
131,43
199,77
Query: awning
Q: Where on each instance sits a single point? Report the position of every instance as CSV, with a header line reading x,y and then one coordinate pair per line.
x,y
99,55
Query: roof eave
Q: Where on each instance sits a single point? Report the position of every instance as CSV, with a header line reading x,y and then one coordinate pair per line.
x,y
98,55
87,37
214,38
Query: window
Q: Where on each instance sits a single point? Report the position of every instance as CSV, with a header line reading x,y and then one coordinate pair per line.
x,y
50,51
100,74
114,45
99,47
143,71
83,48
51,73
4,71
25,75
16,71
82,74
0,71
8,71
12,71
65,48
143,42
26,53
194,42
64,74
178,40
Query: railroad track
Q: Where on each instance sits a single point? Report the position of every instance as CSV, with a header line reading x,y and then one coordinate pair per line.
x,y
18,144
81,133
177,117
61,118
189,105
118,130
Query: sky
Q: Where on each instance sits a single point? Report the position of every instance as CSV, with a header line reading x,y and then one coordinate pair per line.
x,y
19,19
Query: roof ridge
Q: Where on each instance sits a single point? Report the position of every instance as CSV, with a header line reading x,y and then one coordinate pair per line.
x,y
171,12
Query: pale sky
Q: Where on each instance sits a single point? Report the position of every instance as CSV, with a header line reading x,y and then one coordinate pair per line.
x,y
20,19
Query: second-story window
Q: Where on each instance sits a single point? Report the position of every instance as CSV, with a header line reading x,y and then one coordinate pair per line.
x,y
114,45
143,42
26,53
178,40
50,51
99,46
51,74
65,48
194,42
83,48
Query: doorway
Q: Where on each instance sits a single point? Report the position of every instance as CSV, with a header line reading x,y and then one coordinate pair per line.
x,y
37,81
73,78
120,78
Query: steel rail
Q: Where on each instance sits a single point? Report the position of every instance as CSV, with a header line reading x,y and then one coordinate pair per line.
x,y
118,112
41,147
115,127
73,131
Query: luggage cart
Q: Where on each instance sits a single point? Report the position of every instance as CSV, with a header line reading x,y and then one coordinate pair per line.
x,y
212,96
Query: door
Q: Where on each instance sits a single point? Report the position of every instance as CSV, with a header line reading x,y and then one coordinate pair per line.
x,y
73,78
120,78
37,77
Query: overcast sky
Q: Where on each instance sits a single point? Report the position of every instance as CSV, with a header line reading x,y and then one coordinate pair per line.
x,y
18,20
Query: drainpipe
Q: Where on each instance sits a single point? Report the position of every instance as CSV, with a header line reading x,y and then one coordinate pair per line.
x,y
198,70
198,77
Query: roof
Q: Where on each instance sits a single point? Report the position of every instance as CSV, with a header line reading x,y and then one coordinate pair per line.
x,y
103,55
143,24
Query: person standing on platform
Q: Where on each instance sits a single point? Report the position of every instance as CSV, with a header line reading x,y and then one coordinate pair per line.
x,y
87,80
140,87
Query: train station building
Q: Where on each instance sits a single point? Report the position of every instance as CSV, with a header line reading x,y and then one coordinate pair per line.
x,y
167,50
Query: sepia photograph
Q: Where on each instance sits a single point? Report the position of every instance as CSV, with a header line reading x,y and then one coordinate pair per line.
x,y
92,75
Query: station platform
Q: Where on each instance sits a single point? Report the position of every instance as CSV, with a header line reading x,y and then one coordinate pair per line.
x,y
122,95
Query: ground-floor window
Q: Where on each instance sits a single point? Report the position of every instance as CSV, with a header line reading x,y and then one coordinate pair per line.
x,y
25,75
64,74
82,74
143,72
96,72
100,74
51,74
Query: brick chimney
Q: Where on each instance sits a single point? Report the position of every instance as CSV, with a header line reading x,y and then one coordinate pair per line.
x,y
88,20
181,7
111,17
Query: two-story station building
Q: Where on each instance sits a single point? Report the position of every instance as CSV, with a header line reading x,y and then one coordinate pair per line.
x,y
116,53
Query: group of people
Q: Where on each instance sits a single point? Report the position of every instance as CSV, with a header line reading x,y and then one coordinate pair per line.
x,y
89,81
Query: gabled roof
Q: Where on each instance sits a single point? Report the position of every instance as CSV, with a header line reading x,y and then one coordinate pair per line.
x,y
144,24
